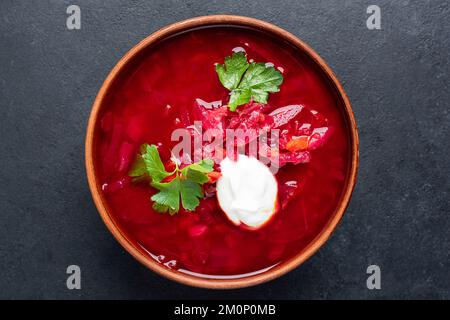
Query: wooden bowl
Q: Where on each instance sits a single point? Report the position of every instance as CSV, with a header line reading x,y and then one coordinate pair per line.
x,y
138,252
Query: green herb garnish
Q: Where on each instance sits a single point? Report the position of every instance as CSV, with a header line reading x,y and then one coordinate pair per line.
x,y
184,184
247,80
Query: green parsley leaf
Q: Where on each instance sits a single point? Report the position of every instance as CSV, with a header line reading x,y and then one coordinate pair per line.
x,y
247,81
196,176
230,73
190,192
162,208
184,186
168,197
197,171
239,97
203,166
153,163
261,80
138,168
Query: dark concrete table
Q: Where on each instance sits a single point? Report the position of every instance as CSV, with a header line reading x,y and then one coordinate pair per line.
x,y
397,79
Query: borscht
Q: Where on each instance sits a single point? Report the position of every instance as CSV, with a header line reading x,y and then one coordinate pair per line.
x,y
222,151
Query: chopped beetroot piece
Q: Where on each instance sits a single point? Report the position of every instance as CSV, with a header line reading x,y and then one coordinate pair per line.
x,y
234,122
253,106
170,166
208,105
249,123
318,137
294,157
211,119
297,119
301,130
283,115
304,129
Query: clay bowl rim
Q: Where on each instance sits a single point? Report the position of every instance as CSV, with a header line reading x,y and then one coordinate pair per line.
x,y
139,254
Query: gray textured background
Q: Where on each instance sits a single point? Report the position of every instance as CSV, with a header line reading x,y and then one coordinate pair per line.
x,y
397,80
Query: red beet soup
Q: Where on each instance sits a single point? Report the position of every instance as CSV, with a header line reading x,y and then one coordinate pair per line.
x,y
174,83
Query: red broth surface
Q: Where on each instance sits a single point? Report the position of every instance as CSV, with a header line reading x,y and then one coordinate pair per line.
x,y
148,103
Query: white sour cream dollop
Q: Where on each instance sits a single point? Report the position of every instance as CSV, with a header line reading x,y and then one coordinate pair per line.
x,y
247,191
